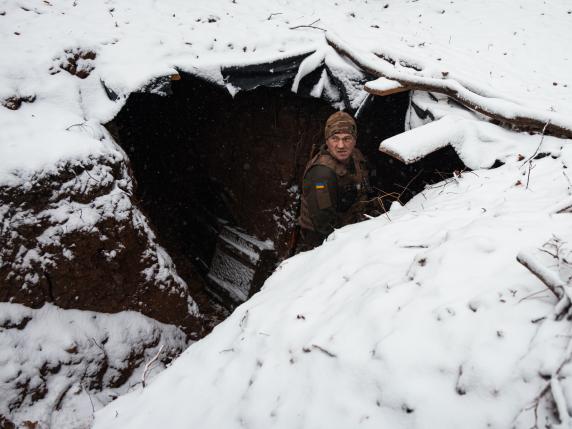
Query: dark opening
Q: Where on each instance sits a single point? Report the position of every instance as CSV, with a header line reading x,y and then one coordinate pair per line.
x,y
219,175
384,117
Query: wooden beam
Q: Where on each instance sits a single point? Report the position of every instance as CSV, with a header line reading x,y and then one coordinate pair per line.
x,y
383,86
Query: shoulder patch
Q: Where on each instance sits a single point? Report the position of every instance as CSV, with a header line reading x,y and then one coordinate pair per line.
x,y
322,195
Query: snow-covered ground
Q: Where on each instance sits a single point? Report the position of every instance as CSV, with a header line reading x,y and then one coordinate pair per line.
x,y
58,366
419,319
422,318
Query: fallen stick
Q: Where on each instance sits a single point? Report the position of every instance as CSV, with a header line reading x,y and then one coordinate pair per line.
x,y
550,280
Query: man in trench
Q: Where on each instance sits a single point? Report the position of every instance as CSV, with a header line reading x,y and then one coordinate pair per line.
x,y
335,184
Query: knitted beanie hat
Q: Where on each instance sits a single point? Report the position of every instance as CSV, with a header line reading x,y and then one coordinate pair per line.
x,y
340,122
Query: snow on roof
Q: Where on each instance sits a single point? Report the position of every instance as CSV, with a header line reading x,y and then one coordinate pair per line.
x,y
62,54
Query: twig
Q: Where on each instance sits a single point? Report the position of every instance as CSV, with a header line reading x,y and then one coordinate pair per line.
x,y
538,292
323,350
554,255
529,160
406,188
243,320
75,125
273,14
379,200
385,194
311,25
148,366
87,172
89,396
539,144
97,344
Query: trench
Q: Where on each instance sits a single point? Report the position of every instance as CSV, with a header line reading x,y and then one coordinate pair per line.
x,y
218,176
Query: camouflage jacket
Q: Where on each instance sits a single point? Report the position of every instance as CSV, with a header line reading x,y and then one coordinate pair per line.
x,y
333,193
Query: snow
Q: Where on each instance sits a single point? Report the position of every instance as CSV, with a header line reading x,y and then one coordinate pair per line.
x,y
479,144
308,65
512,64
419,142
39,139
67,353
445,45
385,85
422,318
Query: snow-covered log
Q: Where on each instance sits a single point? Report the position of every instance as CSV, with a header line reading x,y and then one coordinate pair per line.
x,y
384,86
479,144
415,144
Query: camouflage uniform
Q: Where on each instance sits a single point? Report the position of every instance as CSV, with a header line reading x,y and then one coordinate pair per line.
x,y
333,195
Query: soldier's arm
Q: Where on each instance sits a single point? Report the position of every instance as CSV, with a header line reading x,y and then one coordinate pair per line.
x,y
320,187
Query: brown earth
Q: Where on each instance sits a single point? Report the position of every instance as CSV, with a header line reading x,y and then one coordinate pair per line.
x,y
75,238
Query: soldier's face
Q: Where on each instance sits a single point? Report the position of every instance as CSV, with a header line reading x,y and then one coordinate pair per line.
x,y
341,146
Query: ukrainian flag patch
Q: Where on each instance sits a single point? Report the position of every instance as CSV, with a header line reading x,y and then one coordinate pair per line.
x,y
320,186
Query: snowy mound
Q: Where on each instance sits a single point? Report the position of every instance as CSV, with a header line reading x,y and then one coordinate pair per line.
x,y
422,319
59,366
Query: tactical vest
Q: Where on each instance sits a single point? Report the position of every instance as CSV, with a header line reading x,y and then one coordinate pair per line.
x,y
359,180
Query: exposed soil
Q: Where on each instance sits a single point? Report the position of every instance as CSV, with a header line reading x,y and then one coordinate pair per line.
x,y
52,252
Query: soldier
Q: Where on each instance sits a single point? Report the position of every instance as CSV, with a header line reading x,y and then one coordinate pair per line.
x,y
335,185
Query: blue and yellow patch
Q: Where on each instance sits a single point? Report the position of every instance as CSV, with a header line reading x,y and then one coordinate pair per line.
x,y
320,186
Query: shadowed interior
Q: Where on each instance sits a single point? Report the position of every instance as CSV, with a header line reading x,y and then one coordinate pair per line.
x,y
203,159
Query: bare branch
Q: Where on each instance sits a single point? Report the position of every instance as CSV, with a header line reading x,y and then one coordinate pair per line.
x,y
550,280
539,144
529,160
311,25
148,366
323,350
